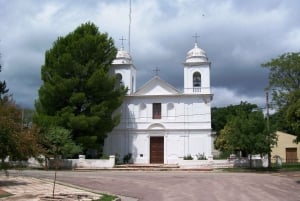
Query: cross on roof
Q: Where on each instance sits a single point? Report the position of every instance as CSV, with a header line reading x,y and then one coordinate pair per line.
x,y
122,39
156,70
196,37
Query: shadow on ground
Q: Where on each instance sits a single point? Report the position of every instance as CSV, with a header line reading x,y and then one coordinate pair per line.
x,y
12,183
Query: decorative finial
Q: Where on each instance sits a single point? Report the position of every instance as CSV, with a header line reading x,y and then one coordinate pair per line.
x,y
122,39
196,38
156,70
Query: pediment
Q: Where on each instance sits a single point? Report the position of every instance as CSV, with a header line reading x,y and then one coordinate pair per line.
x,y
157,86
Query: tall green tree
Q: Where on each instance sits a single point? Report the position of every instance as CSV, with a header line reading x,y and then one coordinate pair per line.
x,y
78,93
284,81
247,132
293,113
3,89
221,115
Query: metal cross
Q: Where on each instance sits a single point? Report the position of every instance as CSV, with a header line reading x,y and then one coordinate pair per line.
x,y
196,37
156,70
122,39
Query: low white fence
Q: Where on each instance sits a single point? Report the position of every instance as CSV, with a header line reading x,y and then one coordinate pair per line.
x,y
83,163
239,162
210,163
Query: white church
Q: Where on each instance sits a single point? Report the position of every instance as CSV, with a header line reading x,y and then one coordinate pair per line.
x,y
161,124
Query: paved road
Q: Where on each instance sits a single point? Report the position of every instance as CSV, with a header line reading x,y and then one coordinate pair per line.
x,y
178,186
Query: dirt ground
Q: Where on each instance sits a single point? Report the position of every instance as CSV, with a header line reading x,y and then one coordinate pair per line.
x,y
185,185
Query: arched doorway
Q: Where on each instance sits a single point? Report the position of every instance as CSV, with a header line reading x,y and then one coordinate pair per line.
x,y
156,143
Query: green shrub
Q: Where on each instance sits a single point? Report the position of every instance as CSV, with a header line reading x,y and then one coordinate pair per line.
x,y
127,158
201,156
105,156
188,157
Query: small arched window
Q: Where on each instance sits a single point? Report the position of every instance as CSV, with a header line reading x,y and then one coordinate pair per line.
x,y
119,81
197,79
142,111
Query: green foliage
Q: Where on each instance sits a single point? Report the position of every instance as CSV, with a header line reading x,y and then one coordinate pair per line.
x,y
106,157
59,142
127,158
284,76
3,89
188,157
78,93
16,141
290,167
106,197
279,121
220,116
5,194
293,112
201,156
246,132
284,81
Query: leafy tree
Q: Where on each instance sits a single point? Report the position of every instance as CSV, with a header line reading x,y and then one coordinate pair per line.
x,y
220,117
9,127
78,93
60,144
15,141
284,81
3,89
246,132
279,121
293,113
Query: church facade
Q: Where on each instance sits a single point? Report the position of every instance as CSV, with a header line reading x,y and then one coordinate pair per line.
x,y
161,124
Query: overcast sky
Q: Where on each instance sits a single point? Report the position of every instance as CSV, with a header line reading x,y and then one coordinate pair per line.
x,y
238,36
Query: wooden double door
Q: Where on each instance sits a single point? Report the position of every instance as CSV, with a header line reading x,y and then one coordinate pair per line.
x,y
157,150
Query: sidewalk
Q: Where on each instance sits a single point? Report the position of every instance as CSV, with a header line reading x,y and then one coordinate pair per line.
x,y
31,189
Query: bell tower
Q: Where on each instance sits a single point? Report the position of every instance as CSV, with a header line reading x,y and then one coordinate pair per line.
x,y
124,70
196,71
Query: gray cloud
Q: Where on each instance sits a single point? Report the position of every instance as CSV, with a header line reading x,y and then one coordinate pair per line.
x,y
237,36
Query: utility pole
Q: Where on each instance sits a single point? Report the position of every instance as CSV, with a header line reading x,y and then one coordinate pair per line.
x,y
129,27
268,129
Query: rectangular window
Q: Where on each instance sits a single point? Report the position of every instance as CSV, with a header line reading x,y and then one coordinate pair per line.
x,y
156,111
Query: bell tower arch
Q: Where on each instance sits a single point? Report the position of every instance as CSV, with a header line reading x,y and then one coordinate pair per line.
x,y
124,70
196,71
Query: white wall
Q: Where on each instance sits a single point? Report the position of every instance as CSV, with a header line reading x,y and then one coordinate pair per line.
x,y
186,129
189,112
177,144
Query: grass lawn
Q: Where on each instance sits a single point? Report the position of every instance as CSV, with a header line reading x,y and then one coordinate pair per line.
x,y
106,197
4,193
285,168
290,167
